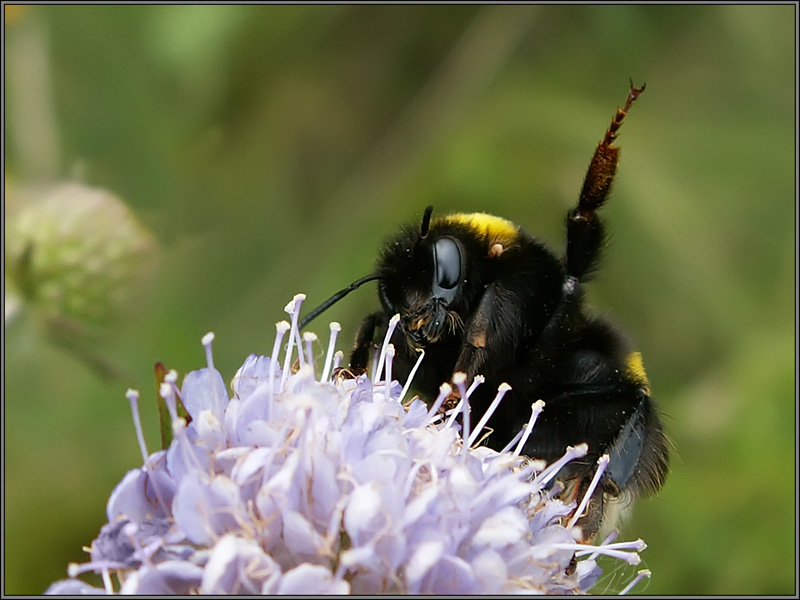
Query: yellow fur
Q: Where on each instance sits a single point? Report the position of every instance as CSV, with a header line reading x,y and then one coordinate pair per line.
x,y
495,230
636,369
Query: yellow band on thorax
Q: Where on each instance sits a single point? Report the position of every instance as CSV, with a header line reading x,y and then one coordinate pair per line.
x,y
496,230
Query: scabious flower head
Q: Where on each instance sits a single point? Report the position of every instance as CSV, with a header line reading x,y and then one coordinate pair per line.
x,y
299,485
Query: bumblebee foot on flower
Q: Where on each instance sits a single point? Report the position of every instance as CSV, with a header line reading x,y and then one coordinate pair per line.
x,y
450,403
344,373
590,518
573,564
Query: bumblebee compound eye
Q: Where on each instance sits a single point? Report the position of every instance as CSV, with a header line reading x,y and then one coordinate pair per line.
x,y
446,264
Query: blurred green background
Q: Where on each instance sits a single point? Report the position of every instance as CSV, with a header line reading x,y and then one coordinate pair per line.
x,y
270,150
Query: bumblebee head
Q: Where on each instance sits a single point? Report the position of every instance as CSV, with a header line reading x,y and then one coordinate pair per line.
x,y
422,274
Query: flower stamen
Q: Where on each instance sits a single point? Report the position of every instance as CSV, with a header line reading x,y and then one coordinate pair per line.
x,y
376,374
602,463
536,409
502,390
388,368
335,329
309,337
337,359
133,398
207,339
551,471
639,576
444,392
107,584
411,375
281,327
293,309
167,392
460,380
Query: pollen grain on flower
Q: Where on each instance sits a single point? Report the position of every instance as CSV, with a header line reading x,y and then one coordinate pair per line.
x,y
299,485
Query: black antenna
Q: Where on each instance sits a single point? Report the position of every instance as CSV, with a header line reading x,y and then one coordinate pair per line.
x,y
335,298
426,222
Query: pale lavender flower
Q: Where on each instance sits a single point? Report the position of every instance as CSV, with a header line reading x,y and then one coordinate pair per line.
x,y
294,485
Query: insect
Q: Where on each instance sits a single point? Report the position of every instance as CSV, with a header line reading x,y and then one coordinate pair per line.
x,y
481,296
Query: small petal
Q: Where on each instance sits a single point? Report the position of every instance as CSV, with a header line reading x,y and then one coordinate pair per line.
x,y
141,495
169,577
490,568
311,580
205,509
72,587
237,566
204,390
325,489
299,534
416,414
113,544
211,434
251,375
361,513
451,575
420,505
503,528
421,561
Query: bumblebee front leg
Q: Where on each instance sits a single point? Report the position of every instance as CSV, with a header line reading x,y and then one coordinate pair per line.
x,y
592,518
365,341
585,232
492,333
516,306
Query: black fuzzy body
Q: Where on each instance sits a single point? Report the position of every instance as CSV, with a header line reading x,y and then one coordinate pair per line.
x,y
481,296
540,340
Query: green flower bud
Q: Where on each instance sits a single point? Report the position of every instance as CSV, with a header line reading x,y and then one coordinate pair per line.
x,y
75,253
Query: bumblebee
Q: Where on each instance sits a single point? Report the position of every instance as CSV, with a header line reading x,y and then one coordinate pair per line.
x,y
481,296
